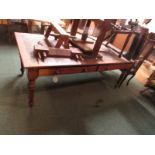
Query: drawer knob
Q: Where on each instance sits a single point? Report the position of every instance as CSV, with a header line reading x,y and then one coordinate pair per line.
x,y
57,71
85,69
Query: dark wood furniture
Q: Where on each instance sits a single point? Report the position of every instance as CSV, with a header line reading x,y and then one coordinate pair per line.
x,y
9,26
129,37
43,21
102,30
144,53
58,66
128,42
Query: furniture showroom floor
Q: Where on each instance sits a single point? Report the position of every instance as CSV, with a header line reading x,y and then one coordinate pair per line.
x,y
77,104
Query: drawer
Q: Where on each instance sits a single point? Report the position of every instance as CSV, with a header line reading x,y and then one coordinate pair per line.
x,y
46,71
114,66
74,70
67,70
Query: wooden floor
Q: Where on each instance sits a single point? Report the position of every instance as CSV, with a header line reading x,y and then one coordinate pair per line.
x,y
144,72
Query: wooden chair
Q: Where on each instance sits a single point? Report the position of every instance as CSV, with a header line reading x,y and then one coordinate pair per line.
x,y
145,52
90,44
132,41
60,35
129,38
46,48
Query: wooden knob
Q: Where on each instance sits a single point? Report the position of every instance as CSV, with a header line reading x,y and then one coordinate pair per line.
x,y
57,71
85,69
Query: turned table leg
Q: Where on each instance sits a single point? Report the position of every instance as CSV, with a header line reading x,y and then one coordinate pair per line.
x,y
21,67
32,76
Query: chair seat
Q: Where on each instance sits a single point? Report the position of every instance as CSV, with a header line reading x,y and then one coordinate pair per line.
x,y
87,48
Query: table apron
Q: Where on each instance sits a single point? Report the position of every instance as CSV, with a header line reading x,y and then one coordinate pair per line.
x,y
80,69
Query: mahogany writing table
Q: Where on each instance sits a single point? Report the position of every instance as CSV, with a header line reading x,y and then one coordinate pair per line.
x,y
57,66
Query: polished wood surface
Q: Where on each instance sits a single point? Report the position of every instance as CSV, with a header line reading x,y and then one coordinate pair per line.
x,y
26,44
54,66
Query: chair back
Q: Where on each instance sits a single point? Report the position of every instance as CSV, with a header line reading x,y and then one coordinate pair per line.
x,y
145,51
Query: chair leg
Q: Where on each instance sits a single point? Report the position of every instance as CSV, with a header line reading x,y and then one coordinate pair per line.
x,y
121,79
129,80
110,39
